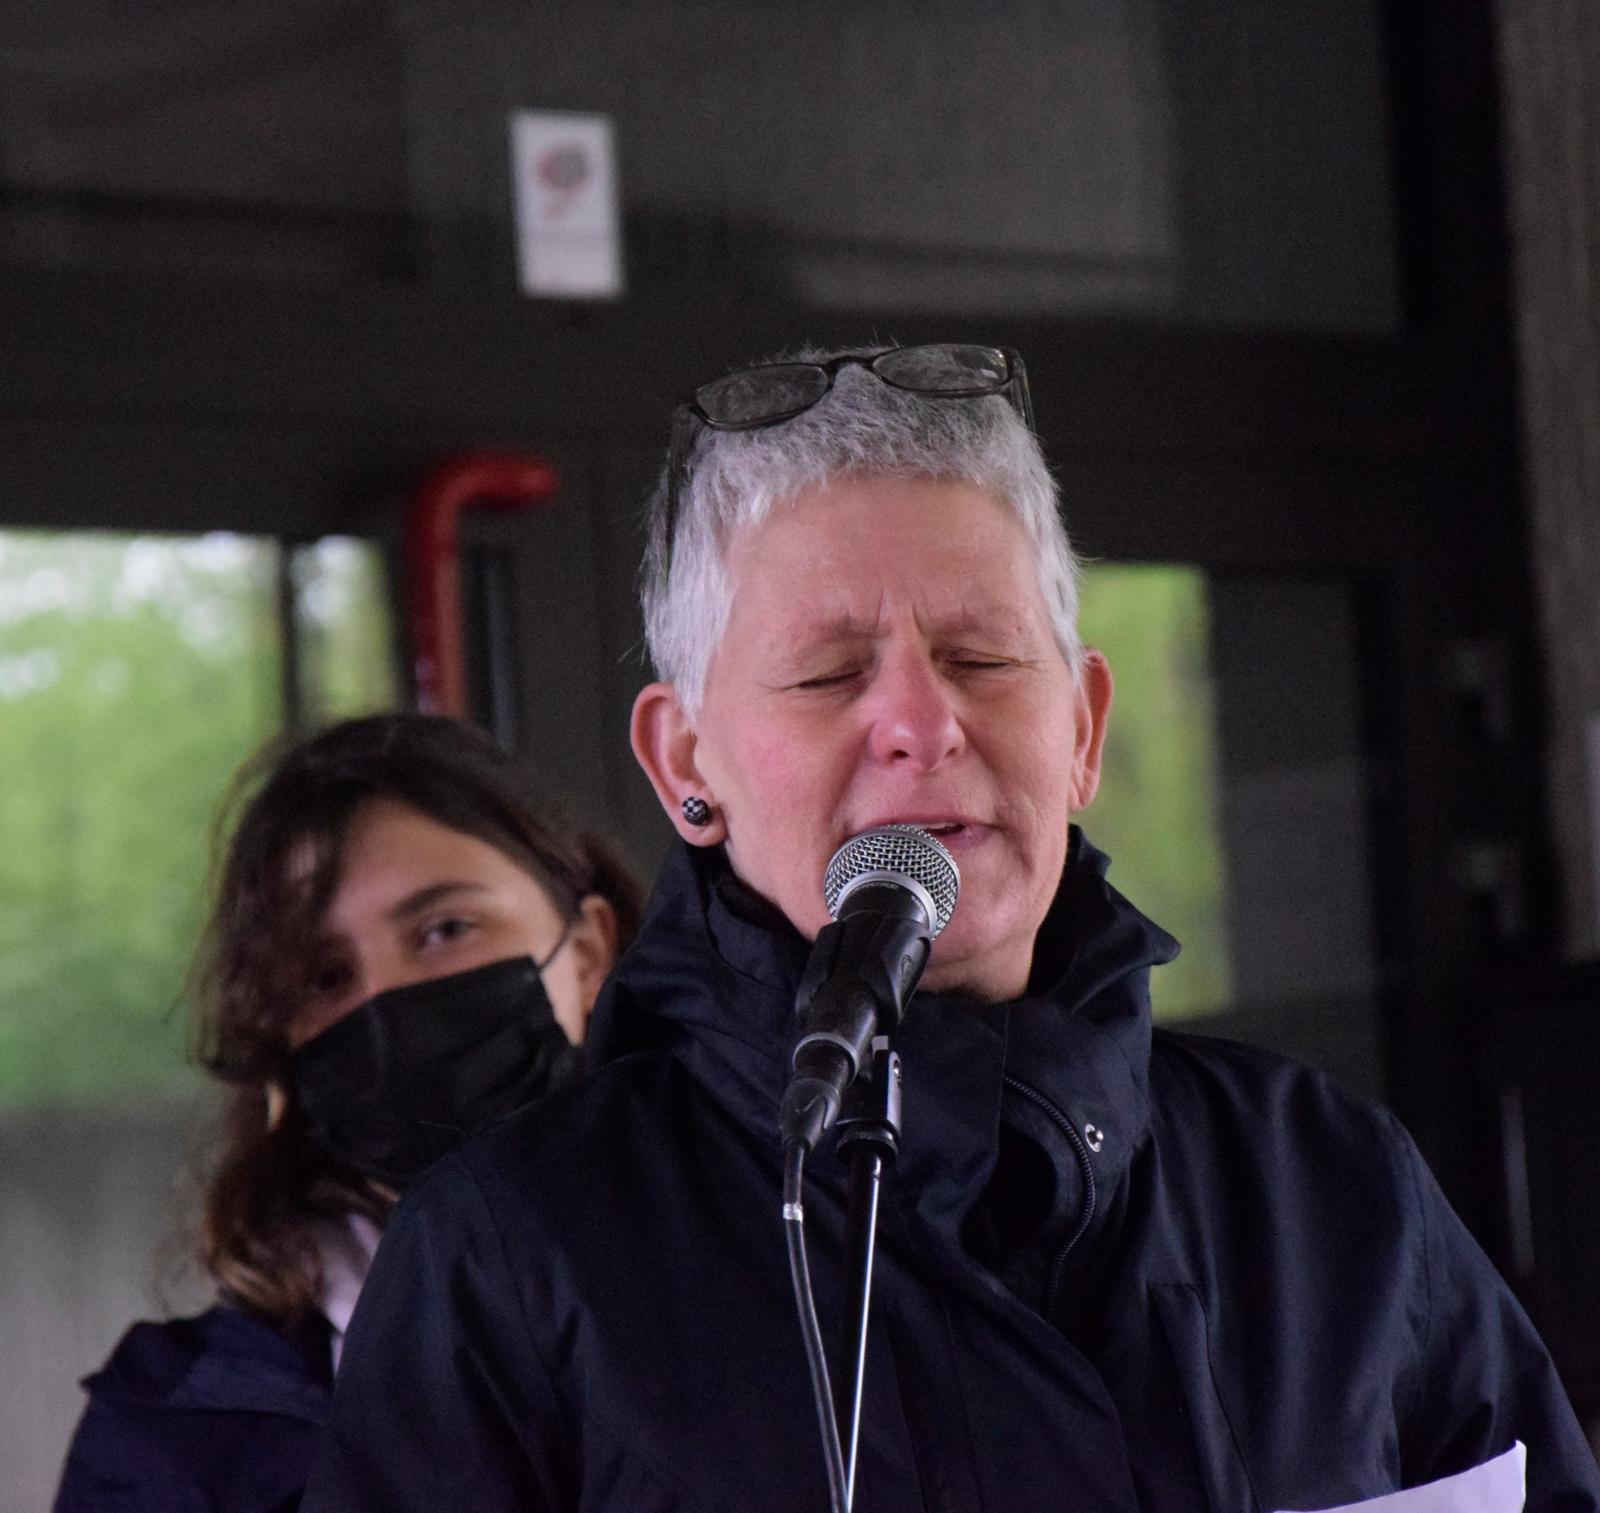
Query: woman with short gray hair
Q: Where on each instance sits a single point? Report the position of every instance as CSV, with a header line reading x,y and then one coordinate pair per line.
x,y
1117,1268
725,475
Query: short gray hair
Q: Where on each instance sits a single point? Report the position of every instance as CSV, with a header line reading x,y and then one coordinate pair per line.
x,y
861,427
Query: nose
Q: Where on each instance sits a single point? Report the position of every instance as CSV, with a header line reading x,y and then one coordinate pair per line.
x,y
367,980
362,972
913,712
371,972
382,974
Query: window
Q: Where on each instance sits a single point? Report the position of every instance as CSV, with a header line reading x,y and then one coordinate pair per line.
x,y
136,673
1157,813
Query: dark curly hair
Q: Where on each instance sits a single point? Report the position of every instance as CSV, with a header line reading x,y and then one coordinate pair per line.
x,y
270,1188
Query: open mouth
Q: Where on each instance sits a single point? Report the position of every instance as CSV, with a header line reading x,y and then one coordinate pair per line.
x,y
953,833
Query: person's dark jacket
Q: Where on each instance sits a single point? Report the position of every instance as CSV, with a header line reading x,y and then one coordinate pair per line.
x,y
220,1413
1117,1269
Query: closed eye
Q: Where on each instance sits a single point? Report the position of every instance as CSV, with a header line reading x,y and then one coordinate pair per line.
x,y
979,664
829,680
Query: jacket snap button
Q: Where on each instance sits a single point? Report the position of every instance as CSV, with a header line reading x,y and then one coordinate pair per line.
x,y
1094,1135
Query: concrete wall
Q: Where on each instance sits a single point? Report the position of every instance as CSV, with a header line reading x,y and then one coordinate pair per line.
x,y
90,1205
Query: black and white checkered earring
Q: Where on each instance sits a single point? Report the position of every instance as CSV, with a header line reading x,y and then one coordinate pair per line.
x,y
696,810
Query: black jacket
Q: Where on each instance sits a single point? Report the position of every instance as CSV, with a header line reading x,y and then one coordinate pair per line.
x,y
215,1414
1268,1303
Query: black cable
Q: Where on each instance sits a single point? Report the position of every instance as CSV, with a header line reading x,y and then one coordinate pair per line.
x,y
794,1218
866,1168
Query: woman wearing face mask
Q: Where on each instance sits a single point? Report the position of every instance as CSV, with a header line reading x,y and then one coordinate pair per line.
x,y
405,946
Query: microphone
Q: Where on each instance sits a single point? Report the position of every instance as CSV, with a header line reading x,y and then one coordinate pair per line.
x,y
890,891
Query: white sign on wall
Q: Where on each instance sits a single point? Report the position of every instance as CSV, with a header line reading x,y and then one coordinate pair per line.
x,y
564,186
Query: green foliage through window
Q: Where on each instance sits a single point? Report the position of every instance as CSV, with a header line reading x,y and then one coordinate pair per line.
x,y
136,673
1157,813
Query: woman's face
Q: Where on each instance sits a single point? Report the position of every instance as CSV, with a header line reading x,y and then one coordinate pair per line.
x,y
417,900
889,659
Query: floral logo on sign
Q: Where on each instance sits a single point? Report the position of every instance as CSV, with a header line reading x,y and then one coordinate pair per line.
x,y
563,171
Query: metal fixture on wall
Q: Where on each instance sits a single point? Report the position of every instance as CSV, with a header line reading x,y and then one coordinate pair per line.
x,y
505,481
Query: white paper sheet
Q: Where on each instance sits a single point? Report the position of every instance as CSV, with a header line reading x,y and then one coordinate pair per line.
x,y
1497,1486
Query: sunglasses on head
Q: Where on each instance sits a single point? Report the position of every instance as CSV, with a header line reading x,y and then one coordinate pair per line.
x,y
771,393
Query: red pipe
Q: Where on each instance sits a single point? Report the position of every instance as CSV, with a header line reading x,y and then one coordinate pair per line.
x,y
489,480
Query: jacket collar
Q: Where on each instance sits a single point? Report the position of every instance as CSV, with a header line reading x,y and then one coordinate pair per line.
x,y
713,976
223,1360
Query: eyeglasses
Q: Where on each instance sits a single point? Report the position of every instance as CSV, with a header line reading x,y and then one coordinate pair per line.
x,y
771,393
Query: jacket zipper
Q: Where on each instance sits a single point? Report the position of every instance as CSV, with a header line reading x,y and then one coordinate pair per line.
x,y
1067,1128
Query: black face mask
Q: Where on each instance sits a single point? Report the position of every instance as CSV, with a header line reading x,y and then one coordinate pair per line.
x,y
412,1072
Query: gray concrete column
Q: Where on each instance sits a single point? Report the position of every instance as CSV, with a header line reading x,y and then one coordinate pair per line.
x,y
1550,52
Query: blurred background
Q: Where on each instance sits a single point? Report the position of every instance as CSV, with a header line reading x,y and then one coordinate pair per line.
x,y
1308,299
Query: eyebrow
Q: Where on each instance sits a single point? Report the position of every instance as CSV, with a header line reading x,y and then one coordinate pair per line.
x,y
821,634
807,641
830,627
425,898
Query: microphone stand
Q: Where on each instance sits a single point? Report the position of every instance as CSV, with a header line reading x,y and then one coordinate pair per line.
x,y
869,1139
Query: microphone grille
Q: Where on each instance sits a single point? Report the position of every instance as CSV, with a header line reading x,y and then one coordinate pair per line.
x,y
900,852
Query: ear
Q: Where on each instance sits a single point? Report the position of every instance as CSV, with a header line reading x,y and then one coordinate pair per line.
x,y
1091,710
664,744
592,944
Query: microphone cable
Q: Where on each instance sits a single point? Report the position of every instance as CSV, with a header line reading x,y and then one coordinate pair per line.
x,y
794,1227
890,891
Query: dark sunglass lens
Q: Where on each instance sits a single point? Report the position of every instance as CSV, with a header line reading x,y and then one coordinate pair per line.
x,y
758,394
949,368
